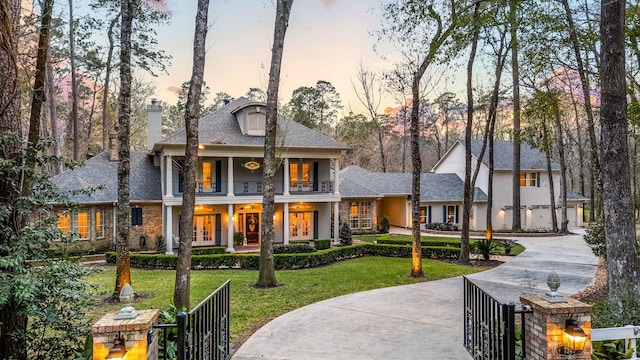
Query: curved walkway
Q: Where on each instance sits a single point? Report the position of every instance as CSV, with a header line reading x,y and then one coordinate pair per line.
x,y
419,321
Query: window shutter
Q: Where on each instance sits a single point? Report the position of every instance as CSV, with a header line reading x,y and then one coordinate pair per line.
x,y
315,225
457,207
219,230
429,214
444,213
538,183
315,176
219,176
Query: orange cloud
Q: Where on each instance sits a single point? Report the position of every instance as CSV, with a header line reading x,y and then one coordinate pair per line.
x,y
328,3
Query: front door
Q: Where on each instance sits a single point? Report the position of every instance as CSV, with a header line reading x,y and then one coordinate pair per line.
x,y
301,226
252,228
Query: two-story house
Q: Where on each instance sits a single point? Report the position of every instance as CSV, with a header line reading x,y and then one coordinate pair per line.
x,y
229,191
442,192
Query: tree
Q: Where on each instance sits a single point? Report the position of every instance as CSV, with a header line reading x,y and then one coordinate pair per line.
x,y
622,252
256,94
315,107
267,274
123,264
370,95
182,292
513,26
430,26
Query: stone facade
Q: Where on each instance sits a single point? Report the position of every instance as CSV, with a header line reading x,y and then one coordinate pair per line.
x,y
345,211
544,327
150,229
136,333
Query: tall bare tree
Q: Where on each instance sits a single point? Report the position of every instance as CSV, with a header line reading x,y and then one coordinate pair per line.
x,y
267,274
622,252
513,26
123,263
75,121
182,288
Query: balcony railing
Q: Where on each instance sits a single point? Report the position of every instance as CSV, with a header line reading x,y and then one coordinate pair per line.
x,y
253,188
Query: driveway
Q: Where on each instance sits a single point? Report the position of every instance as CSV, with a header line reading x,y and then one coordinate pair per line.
x,y
419,321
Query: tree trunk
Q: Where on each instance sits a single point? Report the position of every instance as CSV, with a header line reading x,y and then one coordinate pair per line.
x,y
53,117
123,264
563,174
13,321
267,274
74,86
106,121
552,193
416,162
517,221
596,182
468,186
622,252
182,292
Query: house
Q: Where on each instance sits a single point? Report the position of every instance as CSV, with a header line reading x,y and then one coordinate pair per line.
x,y
367,196
229,190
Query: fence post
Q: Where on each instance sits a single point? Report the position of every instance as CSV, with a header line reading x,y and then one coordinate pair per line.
x,y
182,335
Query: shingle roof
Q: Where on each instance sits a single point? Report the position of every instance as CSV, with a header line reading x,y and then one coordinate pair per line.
x,y
530,158
221,127
99,171
434,187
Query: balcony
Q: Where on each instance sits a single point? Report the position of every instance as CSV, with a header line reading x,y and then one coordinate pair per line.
x,y
249,188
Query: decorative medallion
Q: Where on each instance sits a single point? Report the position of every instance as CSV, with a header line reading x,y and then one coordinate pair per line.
x,y
252,165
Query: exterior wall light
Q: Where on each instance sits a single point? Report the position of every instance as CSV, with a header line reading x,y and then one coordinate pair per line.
x,y
574,339
118,350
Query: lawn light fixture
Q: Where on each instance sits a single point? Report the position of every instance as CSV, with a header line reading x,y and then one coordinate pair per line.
x,y
118,350
574,339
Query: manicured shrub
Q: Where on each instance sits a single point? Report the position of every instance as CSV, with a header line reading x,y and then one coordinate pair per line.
x,y
209,250
442,226
238,239
384,226
595,238
345,235
299,242
322,244
440,242
161,245
292,249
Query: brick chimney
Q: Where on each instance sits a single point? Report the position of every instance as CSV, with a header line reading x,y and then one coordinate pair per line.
x,y
113,145
154,124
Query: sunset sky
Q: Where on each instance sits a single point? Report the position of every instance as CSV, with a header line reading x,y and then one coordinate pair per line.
x,y
326,40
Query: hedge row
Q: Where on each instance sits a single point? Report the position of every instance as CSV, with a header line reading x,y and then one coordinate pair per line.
x,y
442,242
286,261
209,250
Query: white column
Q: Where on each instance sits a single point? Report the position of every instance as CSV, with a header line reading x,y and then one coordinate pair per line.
x,y
336,180
336,221
285,220
230,176
169,178
230,225
169,226
286,181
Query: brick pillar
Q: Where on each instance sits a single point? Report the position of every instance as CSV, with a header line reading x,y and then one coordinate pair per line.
x,y
544,327
135,332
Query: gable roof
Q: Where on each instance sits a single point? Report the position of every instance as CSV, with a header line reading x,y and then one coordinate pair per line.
x,y
99,171
221,127
530,158
358,182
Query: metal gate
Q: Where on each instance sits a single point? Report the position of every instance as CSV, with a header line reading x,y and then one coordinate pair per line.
x,y
489,325
203,333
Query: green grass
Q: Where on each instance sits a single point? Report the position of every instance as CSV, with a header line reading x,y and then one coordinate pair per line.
x,y
251,308
498,250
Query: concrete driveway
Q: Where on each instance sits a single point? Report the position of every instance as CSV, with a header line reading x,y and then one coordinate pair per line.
x,y
419,321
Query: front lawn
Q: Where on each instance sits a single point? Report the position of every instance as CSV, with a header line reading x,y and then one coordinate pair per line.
x,y
251,308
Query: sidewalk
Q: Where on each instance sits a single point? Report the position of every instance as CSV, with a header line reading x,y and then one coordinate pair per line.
x,y
419,321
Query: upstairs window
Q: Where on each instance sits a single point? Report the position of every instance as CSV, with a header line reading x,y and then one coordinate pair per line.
x,y
136,216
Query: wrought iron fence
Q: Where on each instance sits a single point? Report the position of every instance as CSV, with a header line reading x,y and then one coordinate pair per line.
x,y
202,333
489,331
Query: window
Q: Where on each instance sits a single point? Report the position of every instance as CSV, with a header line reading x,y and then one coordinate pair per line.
x,y
136,216
300,175
206,175
76,223
523,179
293,174
305,175
360,215
425,214
534,179
451,214
99,225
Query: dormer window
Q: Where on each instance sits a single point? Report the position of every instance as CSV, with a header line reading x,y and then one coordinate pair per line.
x,y
251,118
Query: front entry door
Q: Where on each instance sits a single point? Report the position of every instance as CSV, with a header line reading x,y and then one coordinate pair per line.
x,y
252,228
301,226
203,230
